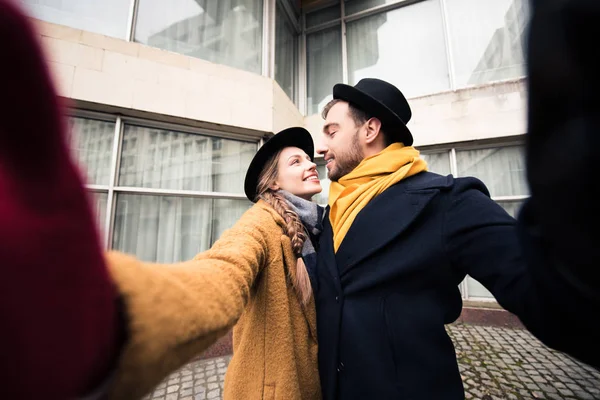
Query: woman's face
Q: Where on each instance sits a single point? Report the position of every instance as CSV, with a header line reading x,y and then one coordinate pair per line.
x,y
297,174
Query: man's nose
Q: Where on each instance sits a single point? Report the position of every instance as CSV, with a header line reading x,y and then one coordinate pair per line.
x,y
321,148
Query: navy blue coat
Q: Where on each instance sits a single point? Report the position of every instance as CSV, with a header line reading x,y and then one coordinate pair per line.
x,y
384,297
386,294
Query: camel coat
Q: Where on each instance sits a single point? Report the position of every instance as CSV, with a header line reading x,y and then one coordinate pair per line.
x,y
175,312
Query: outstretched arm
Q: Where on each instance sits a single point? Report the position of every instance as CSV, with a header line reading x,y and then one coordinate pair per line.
x,y
174,312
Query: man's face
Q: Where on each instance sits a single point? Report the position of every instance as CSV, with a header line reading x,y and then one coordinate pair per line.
x,y
340,144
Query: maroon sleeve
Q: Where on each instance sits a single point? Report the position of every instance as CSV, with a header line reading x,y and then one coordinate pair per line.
x,y
57,303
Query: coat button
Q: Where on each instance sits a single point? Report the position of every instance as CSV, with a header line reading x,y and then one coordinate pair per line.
x,y
337,299
340,367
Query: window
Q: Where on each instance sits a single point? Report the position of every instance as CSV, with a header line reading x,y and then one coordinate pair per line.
x,y
322,198
166,159
404,47
91,143
107,17
222,31
286,53
502,169
174,192
438,162
324,68
487,39
422,47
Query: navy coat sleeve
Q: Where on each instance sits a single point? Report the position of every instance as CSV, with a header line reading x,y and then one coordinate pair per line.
x,y
512,260
546,267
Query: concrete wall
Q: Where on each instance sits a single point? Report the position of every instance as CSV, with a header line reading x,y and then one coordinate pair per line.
x,y
93,68
493,111
130,76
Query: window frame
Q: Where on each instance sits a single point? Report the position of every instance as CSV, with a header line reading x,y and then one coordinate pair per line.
x,y
113,189
344,19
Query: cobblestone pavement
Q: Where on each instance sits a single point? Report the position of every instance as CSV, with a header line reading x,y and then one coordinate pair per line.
x,y
495,363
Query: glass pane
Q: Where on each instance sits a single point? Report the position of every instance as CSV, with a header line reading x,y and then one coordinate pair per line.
x,y
438,162
487,38
354,6
98,205
476,289
170,229
157,158
286,52
324,66
322,16
91,144
322,197
107,17
502,169
222,31
405,47
512,207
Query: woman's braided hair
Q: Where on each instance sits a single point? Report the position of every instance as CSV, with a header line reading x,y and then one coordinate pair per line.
x,y
294,228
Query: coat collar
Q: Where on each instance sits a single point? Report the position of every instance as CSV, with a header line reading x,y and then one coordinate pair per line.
x,y
386,217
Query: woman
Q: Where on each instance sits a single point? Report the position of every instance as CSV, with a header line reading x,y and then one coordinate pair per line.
x,y
254,277
120,330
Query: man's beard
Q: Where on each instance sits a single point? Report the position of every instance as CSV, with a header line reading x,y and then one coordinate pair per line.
x,y
346,163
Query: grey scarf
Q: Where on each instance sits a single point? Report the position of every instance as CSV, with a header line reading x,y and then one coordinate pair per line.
x,y
311,215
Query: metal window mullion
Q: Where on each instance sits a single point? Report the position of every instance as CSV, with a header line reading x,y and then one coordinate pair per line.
x,y
380,9
261,143
518,197
324,26
131,21
317,6
204,132
266,39
114,171
449,57
453,162
177,193
290,15
344,44
96,188
272,30
302,76
96,115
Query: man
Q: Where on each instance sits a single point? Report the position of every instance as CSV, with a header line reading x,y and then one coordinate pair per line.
x,y
63,332
398,240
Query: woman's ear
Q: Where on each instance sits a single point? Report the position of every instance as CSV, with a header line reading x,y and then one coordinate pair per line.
x,y
274,186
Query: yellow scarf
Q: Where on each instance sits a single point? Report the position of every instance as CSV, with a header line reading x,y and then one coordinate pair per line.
x,y
370,178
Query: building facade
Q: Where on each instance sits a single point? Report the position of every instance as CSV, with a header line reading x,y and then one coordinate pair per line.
x,y
169,101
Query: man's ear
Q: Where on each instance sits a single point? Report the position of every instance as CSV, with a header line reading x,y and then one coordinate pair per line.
x,y
373,130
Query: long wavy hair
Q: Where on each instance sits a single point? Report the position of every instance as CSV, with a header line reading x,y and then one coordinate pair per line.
x,y
294,228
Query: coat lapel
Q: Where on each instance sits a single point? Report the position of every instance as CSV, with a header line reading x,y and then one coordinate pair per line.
x,y
326,254
382,220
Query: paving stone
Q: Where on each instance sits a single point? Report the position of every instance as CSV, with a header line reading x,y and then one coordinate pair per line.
x,y
172,389
494,363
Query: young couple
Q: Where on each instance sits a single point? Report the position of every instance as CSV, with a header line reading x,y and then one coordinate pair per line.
x,y
343,303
